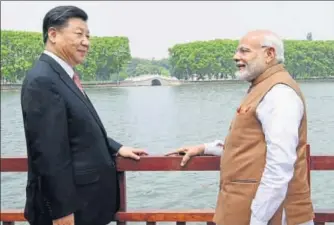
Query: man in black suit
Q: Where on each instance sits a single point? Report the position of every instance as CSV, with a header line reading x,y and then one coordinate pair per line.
x,y
72,177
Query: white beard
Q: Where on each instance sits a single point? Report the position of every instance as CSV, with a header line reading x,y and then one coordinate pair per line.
x,y
252,70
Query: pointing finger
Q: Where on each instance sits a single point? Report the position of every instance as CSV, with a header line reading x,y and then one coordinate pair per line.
x,y
185,159
140,152
134,156
172,153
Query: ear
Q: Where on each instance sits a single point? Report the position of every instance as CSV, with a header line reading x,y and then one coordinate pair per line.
x,y
271,53
52,35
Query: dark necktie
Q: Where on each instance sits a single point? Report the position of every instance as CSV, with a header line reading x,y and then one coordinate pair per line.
x,y
76,80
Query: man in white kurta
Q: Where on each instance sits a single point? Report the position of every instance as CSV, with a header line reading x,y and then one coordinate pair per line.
x,y
280,113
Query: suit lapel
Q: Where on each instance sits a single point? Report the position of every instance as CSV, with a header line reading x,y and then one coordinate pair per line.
x,y
71,85
93,111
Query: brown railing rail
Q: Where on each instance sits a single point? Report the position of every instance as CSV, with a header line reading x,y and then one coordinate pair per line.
x,y
150,163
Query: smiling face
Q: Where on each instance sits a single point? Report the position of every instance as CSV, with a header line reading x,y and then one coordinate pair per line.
x,y
71,42
251,57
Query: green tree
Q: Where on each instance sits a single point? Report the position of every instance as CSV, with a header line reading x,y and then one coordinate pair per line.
x,y
213,59
139,66
309,36
19,50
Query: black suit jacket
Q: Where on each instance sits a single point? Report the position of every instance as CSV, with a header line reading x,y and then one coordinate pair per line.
x,y
71,166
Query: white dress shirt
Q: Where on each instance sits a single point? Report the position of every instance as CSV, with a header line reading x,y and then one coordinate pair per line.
x,y
280,113
69,70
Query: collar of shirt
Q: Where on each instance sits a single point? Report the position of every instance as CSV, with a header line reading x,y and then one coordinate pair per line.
x,y
69,70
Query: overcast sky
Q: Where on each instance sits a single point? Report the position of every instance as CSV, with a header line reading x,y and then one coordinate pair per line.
x,y
153,27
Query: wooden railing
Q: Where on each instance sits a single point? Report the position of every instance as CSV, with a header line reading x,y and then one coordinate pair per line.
x,y
199,163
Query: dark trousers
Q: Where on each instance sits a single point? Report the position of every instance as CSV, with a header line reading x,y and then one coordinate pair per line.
x,y
99,203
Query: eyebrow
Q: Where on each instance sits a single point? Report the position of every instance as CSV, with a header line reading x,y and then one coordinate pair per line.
x,y
79,28
82,29
243,48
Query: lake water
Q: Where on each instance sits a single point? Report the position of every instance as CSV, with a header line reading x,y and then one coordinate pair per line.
x,y
163,118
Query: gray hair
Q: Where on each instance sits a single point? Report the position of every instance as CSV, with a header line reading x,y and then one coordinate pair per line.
x,y
273,41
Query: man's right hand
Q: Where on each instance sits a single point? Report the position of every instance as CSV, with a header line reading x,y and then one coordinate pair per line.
x,y
187,152
66,220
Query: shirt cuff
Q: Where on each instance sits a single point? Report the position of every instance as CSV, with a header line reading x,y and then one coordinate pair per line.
x,y
255,221
213,148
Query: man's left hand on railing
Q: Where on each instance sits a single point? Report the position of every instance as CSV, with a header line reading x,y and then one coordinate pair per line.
x,y
188,152
212,148
129,152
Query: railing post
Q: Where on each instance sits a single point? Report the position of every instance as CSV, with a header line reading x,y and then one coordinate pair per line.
x,y
151,223
308,157
180,223
122,186
210,223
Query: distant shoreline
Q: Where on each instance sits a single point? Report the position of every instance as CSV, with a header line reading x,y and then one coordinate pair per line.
x,y
99,84
236,81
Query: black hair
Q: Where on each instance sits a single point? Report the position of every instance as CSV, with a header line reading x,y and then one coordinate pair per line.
x,y
58,17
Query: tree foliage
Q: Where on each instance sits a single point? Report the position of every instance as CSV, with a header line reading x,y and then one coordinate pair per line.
x,y
309,36
19,50
109,58
303,59
139,66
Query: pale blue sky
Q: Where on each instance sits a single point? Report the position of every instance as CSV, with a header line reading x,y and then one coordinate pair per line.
x,y
153,27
